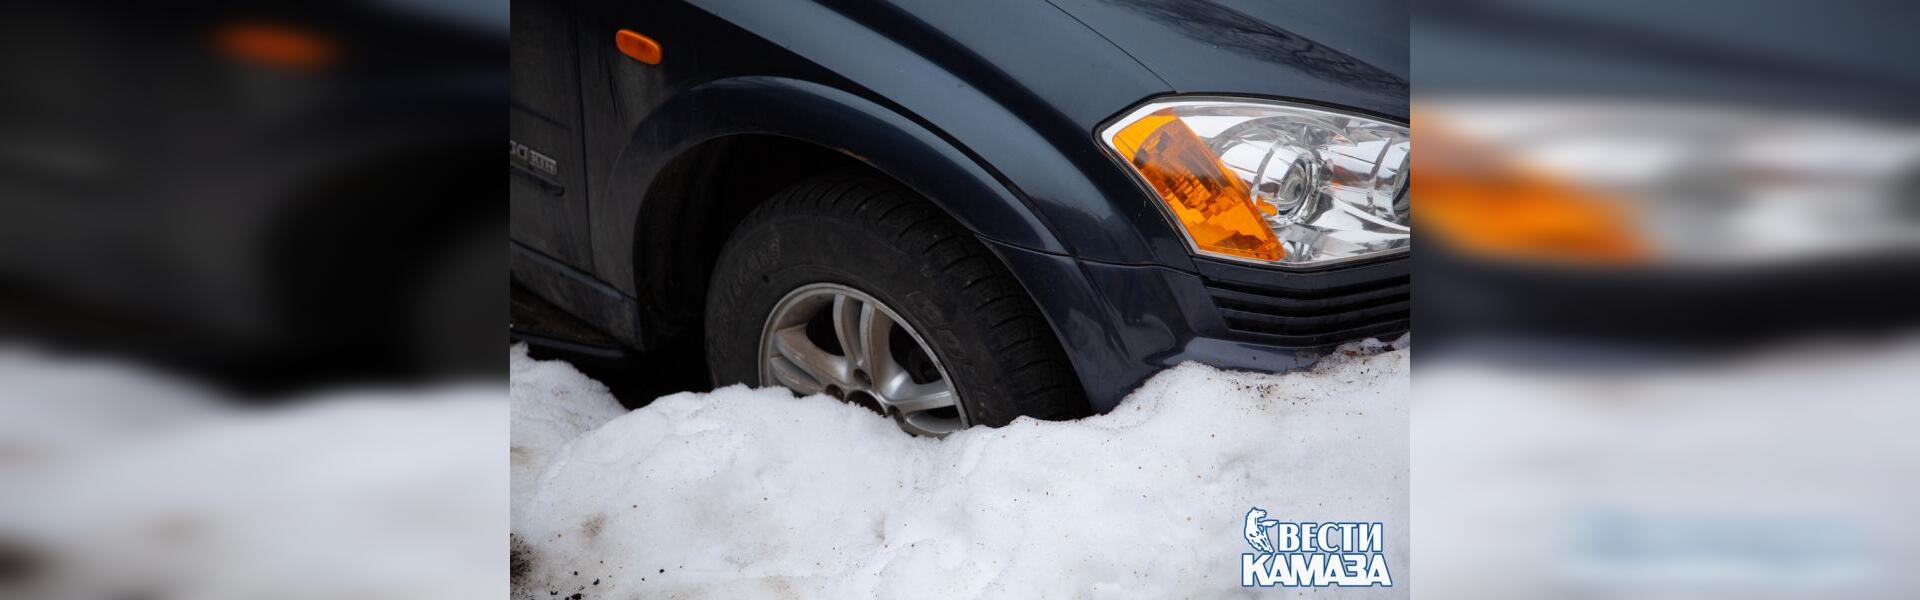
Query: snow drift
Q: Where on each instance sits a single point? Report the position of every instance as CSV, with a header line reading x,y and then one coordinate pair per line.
x,y
753,493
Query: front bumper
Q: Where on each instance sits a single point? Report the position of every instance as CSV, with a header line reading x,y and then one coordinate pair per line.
x,y
1120,324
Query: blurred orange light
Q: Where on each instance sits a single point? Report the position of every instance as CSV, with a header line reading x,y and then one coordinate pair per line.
x,y
1477,200
276,45
1216,208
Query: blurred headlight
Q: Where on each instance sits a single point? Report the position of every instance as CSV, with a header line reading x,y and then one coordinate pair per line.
x,y
1631,183
1272,183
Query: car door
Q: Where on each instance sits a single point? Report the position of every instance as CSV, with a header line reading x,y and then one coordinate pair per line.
x,y
547,179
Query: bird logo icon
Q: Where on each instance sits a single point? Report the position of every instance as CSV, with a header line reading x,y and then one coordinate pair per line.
x,y
1256,530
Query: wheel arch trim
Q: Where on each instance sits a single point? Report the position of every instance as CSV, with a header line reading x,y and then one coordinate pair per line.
x,y
958,183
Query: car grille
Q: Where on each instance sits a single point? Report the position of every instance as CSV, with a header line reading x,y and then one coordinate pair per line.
x,y
1307,318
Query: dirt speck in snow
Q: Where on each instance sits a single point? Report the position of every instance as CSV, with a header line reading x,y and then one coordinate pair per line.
x,y
521,558
594,526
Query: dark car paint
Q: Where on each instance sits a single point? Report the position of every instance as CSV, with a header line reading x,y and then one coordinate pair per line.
x,y
987,108
1350,54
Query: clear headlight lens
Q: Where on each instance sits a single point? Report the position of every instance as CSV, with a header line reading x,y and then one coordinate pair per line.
x,y
1272,183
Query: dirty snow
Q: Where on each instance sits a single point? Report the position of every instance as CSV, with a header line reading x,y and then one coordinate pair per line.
x,y
570,405
745,493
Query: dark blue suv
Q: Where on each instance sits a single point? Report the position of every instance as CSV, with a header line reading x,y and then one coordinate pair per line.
x,y
958,213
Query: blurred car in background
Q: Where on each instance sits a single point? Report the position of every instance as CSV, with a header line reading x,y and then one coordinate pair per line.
x,y
1666,287
959,213
272,194
1724,175
208,207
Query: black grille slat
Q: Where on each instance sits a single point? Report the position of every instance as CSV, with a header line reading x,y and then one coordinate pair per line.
x,y
1335,322
1308,308
1285,293
1314,317
1327,338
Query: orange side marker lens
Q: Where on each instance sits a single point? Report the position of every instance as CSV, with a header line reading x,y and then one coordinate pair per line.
x,y
637,47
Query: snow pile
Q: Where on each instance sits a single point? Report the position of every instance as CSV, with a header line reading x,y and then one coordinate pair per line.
x,y
124,483
570,404
751,493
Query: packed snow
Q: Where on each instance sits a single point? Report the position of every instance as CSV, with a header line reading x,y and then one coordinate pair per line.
x,y
743,493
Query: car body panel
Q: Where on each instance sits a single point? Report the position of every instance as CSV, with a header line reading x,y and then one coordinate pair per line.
x,y
1350,54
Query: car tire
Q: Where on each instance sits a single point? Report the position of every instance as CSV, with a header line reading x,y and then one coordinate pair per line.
x,y
995,349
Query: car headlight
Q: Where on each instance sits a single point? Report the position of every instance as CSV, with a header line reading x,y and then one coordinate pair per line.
x,y
1271,183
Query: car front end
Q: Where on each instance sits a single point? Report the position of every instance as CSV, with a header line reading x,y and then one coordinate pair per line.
x,y
1271,182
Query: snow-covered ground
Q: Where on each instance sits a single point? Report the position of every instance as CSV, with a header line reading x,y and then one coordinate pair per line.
x,y
1790,473
121,482
745,493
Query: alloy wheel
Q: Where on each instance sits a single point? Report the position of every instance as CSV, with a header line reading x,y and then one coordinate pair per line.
x,y
831,339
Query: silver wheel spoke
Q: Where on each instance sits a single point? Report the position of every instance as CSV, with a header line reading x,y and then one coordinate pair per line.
x,y
792,344
925,423
895,385
790,376
900,392
922,397
878,352
849,315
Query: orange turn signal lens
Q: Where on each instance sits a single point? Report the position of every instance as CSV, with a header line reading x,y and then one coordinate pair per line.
x,y
1214,206
1478,200
637,47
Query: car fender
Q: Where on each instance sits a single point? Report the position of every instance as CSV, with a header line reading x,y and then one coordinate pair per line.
x,y
818,114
